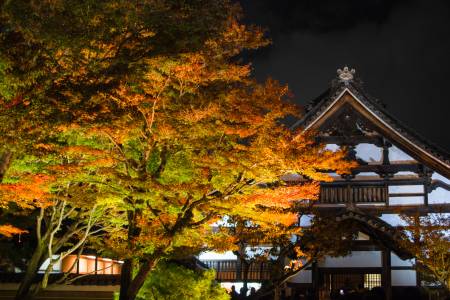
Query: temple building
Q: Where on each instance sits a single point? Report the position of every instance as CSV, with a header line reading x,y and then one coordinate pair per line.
x,y
399,172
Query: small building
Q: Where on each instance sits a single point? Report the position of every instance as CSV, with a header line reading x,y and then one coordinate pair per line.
x,y
399,172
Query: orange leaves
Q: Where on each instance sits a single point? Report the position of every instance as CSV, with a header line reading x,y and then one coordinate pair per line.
x,y
269,207
282,197
272,218
125,98
9,230
241,132
236,38
32,191
192,70
42,146
194,115
83,150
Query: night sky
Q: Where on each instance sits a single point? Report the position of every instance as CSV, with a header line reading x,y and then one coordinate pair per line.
x,y
400,49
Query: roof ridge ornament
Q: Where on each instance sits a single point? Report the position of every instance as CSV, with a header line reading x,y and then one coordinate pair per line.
x,y
346,75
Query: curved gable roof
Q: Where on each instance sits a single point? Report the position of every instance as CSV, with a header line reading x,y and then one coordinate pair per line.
x,y
350,91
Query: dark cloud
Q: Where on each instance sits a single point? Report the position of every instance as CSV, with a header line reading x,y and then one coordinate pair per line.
x,y
401,50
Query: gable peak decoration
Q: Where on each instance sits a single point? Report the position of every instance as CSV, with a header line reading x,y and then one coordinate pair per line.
x,y
345,75
347,94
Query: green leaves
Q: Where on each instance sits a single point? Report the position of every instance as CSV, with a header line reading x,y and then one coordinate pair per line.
x,y
164,283
179,169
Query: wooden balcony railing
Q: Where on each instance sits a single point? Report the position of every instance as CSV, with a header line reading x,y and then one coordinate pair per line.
x,y
231,270
341,194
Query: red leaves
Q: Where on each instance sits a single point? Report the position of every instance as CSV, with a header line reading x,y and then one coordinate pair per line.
x,y
14,102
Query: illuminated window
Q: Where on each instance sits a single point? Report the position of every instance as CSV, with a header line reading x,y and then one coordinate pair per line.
x,y
372,280
88,264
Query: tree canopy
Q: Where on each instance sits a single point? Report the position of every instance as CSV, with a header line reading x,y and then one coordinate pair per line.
x,y
145,108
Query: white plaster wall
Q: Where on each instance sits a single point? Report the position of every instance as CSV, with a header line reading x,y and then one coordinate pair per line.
x,y
356,259
305,220
398,262
440,177
439,195
403,277
332,147
304,276
393,219
211,255
395,154
410,200
369,153
406,189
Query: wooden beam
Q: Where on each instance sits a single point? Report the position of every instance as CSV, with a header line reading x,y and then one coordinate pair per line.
x,y
357,139
407,195
388,169
376,182
380,209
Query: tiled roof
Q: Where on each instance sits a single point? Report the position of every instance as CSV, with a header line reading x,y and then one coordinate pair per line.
x,y
317,106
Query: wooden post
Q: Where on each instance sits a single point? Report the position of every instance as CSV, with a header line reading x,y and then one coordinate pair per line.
x,y
218,270
315,279
261,272
238,269
78,264
385,156
386,273
427,173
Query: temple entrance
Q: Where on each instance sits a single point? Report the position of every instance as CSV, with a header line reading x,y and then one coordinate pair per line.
x,y
334,284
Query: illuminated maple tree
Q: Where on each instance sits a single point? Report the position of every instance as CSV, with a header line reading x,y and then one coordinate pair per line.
x,y
189,145
429,242
161,122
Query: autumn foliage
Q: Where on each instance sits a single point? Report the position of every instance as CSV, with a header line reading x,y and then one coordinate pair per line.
x,y
429,242
170,135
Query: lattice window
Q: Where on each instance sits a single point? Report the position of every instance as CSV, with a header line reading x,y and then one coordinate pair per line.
x,y
372,280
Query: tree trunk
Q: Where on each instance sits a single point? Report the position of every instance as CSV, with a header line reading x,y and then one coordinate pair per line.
x,y
125,278
245,270
23,292
130,291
